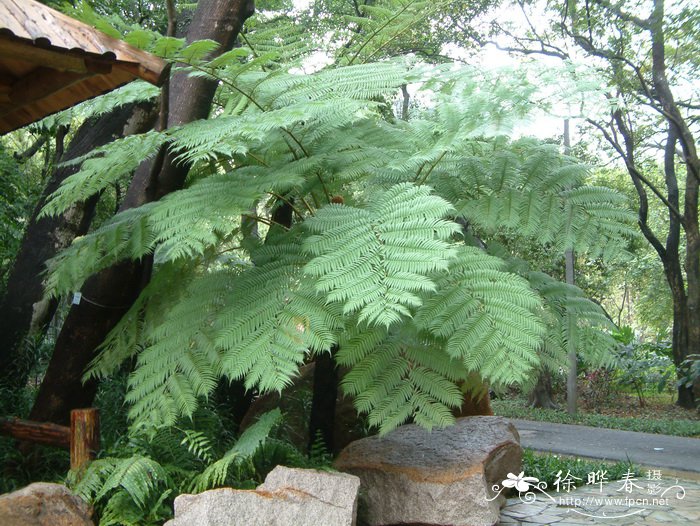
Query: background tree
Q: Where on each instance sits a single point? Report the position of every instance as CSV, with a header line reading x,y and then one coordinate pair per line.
x,y
108,295
649,60
22,312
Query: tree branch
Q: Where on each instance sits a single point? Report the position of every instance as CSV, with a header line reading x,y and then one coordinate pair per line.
x,y
643,23
643,211
31,151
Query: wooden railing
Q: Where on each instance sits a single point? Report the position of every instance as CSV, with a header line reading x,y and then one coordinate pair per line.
x,y
82,438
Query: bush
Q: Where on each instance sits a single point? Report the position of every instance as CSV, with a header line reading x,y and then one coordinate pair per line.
x,y
596,387
644,367
690,375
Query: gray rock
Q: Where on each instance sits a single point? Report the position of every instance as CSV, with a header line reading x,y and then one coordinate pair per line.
x,y
337,489
443,477
44,504
288,497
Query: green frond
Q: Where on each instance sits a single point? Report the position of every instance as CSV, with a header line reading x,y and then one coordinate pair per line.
x,y
572,319
182,225
376,261
138,476
398,377
272,319
135,91
198,443
103,167
284,38
177,360
251,439
529,192
488,316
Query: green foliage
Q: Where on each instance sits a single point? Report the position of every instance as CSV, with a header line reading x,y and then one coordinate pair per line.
x,y
487,316
546,466
396,376
675,427
375,261
396,276
18,194
102,168
373,30
689,374
137,487
644,367
534,190
245,447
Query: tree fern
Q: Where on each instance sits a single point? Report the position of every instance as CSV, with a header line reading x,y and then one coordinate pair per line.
x,y
387,275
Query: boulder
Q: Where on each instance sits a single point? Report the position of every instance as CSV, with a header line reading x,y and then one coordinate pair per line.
x,y
338,489
288,497
438,478
44,504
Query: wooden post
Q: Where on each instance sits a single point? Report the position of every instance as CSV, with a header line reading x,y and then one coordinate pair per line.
x,y
84,437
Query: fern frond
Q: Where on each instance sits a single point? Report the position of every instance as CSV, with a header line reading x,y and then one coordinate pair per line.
x,y
376,261
251,439
529,192
394,377
573,319
272,320
139,476
488,317
181,225
102,168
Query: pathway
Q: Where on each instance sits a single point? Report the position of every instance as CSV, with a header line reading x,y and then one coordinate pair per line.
x,y
645,449
657,495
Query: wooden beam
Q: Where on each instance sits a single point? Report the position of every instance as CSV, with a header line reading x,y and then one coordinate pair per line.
x,y
36,432
41,83
13,49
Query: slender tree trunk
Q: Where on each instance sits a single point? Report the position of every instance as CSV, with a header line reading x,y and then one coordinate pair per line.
x,y
406,102
571,386
22,309
690,324
109,294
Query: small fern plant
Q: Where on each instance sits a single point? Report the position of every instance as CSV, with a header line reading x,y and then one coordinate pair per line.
x,y
388,256
136,482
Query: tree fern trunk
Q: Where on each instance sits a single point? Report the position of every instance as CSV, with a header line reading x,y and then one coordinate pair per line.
x,y
110,293
541,395
22,309
325,394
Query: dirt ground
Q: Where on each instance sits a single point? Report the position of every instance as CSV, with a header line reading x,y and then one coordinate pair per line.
x,y
657,406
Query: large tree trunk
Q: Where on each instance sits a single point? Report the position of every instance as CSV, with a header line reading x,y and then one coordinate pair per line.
x,y
686,329
109,294
22,309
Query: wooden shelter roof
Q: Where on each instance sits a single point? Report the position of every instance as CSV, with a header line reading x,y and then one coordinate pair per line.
x,y
50,62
